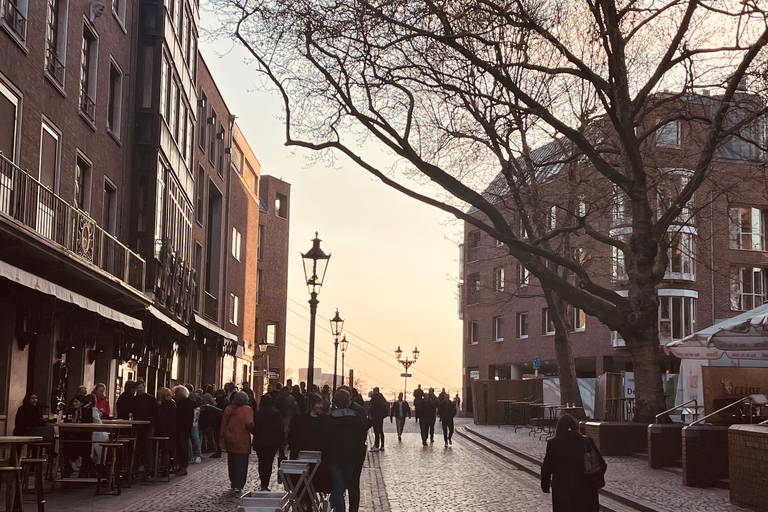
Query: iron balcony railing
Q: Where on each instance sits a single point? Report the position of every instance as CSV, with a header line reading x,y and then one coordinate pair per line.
x,y
26,200
87,105
210,306
54,66
14,19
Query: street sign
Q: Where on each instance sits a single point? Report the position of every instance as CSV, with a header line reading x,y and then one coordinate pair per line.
x,y
273,375
535,363
406,375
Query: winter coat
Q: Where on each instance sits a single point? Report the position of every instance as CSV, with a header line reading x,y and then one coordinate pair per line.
x,y
379,407
166,421
268,427
446,410
564,467
234,436
345,437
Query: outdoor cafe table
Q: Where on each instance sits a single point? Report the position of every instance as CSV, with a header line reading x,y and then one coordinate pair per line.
x,y
15,446
510,404
112,429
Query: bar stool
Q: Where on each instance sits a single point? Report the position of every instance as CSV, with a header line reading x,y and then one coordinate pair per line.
x,y
129,456
112,457
156,442
35,465
12,476
44,450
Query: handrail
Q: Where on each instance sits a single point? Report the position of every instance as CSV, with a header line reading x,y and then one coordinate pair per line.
x,y
696,408
737,402
763,422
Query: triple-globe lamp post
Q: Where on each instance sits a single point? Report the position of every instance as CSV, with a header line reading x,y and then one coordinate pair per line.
x,y
407,363
315,265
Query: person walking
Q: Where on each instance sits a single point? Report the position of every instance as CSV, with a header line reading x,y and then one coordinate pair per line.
x,y
457,403
563,470
236,421
425,416
447,411
268,437
166,427
377,411
400,410
433,403
209,424
144,407
185,415
307,433
125,400
345,451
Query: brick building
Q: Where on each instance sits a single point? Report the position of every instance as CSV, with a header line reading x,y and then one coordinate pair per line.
x,y
718,260
129,210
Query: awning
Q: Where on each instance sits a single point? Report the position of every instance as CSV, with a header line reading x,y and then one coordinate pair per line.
x,y
168,320
215,328
34,282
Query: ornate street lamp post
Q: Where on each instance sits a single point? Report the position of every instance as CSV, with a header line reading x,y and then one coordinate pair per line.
x,y
263,346
315,265
337,325
406,364
344,347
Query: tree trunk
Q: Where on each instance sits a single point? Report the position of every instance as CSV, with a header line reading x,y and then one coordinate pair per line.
x,y
566,367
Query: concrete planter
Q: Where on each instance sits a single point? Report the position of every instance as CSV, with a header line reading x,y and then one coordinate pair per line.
x,y
748,466
705,455
665,445
618,438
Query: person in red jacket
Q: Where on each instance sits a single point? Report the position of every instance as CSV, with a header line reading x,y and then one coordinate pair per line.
x,y
236,420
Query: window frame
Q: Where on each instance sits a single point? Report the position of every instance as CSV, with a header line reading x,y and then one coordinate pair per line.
x,y
115,99
473,332
498,279
498,328
546,322
89,72
521,320
87,182
668,134
738,295
738,234
14,97
16,23
56,42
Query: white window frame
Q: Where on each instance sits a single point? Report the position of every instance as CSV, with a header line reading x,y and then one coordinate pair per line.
x,y
522,325
118,11
15,97
746,296
234,307
686,324
272,334
61,44
498,279
115,99
668,134
498,328
579,319
684,250
747,228
89,86
473,332
16,22
236,242
546,323
523,276
86,206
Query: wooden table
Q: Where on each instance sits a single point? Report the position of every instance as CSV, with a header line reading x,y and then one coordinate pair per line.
x,y
112,429
16,445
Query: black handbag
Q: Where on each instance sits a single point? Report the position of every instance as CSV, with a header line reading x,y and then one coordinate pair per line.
x,y
46,432
593,464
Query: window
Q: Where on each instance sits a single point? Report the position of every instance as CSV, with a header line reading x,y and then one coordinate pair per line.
x,y
522,325
578,317
473,288
83,184
498,331
118,9
212,137
259,285
498,279
616,340
682,258
747,226
237,158
747,288
202,121
252,179
110,208
523,276
668,134
547,325
553,217
177,217
234,303
272,333
15,17
499,243
200,193
88,69
220,149
473,245
56,40
621,208
677,315
260,243
115,107
236,240
10,121
281,206
198,274
50,152
668,190
165,87
173,107
474,333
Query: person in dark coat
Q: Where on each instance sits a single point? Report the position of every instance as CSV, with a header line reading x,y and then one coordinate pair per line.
x,y
221,399
166,427
185,416
425,415
308,433
345,451
29,415
144,407
433,403
400,410
268,437
124,404
209,423
377,411
563,469
447,411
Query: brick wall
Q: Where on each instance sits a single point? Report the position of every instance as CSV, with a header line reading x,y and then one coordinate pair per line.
x,y
705,455
748,465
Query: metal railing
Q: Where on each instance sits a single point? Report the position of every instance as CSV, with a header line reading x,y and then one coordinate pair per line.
x,y
210,306
87,105
682,406
54,66
14,19
749,399
24,199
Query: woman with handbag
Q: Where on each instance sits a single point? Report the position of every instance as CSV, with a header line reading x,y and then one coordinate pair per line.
x,y
573,490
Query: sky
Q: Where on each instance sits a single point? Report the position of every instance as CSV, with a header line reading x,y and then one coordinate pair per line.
x,y
394,261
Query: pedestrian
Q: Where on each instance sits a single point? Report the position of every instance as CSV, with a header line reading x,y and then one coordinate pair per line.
x,y
125,400
166,427
286,404
400,410
221,399
307,433
194,449
300,400
418,393
209,424
425,415
564,467
185,416
268,437
433,403
377,411
457,403
248,391
236,421
345,451
447,411
144,408
326,393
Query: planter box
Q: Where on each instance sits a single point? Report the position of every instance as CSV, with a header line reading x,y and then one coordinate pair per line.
x,y
705,455
748,466
665,445
618,438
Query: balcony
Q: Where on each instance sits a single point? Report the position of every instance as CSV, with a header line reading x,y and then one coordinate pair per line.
x,y
54,66
87,105
14,19
29,203
211,306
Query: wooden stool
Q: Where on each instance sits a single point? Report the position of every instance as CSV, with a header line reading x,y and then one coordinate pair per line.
x,y
156,469
35,465
43,450
13,487
111,461
129,456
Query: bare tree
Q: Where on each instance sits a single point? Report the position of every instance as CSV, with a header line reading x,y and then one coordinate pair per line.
x,y
463,90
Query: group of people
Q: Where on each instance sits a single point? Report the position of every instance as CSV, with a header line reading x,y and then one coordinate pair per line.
x,y
428,407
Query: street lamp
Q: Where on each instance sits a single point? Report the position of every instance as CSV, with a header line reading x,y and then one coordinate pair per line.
x,y
337,325
406,364
344,347
315,265
263,346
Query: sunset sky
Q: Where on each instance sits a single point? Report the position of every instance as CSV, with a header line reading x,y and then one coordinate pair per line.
x,y
394,266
